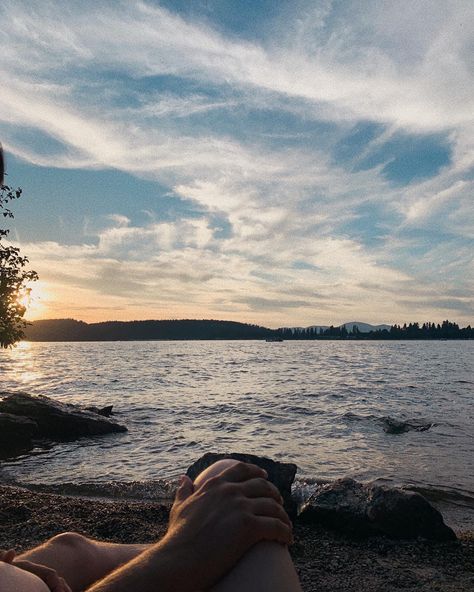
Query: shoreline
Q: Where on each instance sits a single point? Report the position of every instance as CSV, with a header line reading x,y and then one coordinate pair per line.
x,y
325,560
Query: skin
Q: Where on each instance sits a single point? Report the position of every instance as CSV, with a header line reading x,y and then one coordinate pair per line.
x,y
39,577
221,519
229,510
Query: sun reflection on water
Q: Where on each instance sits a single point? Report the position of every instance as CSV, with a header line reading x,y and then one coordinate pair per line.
x,y
22,366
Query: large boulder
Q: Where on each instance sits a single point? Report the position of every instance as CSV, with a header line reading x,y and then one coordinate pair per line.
x,y
280,474
16,434
371,509
58,421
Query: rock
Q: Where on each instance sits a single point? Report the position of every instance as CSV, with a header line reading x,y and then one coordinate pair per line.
x,y
58,421
16,434
104,411
372,509
397,426
280,474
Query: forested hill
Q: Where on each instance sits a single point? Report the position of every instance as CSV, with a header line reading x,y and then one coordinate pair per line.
x,y
71,330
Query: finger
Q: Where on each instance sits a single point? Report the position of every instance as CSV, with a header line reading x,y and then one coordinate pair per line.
x,y
241,472
61,586
272,529
65,586
7,556
260,488
185,489
264,506
52,581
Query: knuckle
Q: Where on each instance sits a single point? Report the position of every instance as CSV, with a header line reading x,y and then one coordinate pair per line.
x,y
210,483
242,468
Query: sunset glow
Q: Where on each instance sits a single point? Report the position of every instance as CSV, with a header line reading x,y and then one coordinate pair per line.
x,y
281,163
35,300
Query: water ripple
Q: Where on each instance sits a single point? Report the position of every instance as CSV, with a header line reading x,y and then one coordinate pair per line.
x,y
318,404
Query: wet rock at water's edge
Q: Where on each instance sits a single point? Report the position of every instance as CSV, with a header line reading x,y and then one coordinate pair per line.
x,y
280,474
104,411
55,420
16,434
371,509
398,426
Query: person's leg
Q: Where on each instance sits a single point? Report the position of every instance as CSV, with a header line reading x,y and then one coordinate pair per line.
x,y
81,561
266,567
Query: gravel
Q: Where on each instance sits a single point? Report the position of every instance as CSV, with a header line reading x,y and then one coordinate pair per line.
x,y
325,560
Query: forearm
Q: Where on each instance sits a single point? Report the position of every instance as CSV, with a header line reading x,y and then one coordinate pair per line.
x,y
159,569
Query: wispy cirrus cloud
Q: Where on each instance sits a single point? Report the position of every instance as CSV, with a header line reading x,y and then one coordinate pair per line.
x,y
321,145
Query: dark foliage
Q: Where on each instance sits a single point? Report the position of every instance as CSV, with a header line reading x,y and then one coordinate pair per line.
x,y
71,330
445,330
14,278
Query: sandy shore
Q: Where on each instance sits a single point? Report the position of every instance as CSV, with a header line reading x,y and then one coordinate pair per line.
x,y
325,560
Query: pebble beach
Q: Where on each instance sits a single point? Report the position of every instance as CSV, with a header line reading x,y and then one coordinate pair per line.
x,y
326,561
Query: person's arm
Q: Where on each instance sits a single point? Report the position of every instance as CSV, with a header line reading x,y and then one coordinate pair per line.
x,y
210,529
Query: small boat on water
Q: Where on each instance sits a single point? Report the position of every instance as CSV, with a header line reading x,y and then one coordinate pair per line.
x,y
274,339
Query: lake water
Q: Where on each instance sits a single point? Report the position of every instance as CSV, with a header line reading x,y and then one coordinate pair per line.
x,y
316,403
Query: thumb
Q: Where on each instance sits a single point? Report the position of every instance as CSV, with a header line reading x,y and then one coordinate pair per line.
x,y
185,489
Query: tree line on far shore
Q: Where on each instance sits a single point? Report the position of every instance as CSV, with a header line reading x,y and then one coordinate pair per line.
x,y
445,330
188,329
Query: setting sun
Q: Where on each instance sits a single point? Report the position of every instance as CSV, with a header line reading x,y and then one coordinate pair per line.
x,y
35,300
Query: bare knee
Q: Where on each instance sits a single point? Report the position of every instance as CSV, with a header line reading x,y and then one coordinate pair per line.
x,y
72,540
73,544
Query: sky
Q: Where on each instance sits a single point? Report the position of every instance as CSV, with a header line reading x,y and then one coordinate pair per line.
x,y
286,163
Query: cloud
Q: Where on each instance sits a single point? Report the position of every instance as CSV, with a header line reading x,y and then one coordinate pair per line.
x,y
330,143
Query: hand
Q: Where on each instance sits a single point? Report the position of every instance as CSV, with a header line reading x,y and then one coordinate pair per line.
x,y
212,527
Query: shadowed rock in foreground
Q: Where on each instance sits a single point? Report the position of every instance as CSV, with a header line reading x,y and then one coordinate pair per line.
x,y
372,509
39,417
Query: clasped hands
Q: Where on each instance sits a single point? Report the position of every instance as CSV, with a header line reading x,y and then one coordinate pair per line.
x,y
230,507
213,522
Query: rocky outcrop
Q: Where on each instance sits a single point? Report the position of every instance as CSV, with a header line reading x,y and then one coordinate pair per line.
x,y
55,420
391,425
280,474
104,411
371,509
398,426
16,434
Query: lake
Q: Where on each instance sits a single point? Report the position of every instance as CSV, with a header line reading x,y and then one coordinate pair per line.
x,y
319,404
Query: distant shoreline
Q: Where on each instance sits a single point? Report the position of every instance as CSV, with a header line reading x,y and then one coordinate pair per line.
x,y
69,330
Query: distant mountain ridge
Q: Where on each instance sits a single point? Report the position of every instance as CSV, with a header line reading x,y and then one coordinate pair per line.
x,y
363,327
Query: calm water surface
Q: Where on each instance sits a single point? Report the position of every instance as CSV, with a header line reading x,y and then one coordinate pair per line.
x,y
314,403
